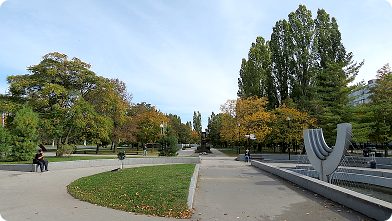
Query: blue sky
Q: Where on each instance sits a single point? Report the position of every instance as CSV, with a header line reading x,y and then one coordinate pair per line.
x,y
181,56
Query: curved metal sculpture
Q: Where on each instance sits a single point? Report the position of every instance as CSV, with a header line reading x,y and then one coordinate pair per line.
x,y
325,160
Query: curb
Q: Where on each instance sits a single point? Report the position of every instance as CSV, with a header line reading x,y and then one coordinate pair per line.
x,y
192,186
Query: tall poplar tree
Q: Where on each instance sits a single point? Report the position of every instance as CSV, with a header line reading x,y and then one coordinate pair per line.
x,y
197,122
281,57
302,36
255,71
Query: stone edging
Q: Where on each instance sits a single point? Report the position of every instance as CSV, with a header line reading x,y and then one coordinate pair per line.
x,y
369,206
192,186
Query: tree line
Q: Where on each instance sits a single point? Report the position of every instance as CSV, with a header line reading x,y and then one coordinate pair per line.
x,y
303,73
63,100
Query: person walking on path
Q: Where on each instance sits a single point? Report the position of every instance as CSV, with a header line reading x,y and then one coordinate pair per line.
x,y
39,159
144,149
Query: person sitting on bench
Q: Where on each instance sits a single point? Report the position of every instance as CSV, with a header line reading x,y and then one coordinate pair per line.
x,y
39,159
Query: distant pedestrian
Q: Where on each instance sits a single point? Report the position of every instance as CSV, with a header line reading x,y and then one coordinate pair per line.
x,y
247,156
39,159
144,149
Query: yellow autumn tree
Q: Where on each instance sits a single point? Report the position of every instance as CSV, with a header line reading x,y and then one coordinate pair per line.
x,y
245,116
229,130
149,125
288,126
254,117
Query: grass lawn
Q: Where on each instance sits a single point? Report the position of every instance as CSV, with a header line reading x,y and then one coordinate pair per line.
x,y
153,190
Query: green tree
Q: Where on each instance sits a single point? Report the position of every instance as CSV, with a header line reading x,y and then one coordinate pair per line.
x,y
111,101
148,129
335,71
23,129
282,66
214,129
303,58
56,89
255,71
381,96
197,122
168,143
5,142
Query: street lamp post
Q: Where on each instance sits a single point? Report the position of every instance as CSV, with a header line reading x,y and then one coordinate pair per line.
x,y
288,126
239,137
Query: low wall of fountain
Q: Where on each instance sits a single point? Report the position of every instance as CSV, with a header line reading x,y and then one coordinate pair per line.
x,y
369,206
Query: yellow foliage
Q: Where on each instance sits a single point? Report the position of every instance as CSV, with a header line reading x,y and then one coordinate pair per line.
x,y
245,116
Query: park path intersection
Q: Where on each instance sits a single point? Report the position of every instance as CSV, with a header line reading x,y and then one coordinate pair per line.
x,y
226,190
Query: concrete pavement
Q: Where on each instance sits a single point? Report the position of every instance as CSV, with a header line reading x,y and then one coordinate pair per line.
x,y
233,190
226,190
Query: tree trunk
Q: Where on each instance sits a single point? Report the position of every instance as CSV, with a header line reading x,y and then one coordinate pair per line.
x,y
114,147
58,152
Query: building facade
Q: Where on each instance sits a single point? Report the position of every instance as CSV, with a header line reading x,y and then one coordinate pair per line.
x,y
362,96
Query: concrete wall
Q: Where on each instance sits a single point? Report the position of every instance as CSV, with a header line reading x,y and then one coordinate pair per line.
x,y
382,162
102,162
372,207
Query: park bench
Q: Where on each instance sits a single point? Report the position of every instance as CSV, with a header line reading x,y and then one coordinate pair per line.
x,y
85,151
132,152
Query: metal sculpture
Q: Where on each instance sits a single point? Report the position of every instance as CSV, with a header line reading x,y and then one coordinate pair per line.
x,y
325,160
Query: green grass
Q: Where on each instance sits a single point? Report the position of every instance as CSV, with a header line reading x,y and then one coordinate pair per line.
x,y
153,190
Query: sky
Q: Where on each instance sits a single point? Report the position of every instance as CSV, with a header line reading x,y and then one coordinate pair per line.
x,y
180,56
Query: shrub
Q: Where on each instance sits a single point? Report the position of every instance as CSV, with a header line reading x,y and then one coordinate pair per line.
x,y
168,144
65,150
24,133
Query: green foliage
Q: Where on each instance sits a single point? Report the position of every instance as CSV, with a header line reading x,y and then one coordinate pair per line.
x,y
214,129
24,133
154,190
182,131
197,122
168,143
254,72
382,106
305,60
62,92
66,150
5,142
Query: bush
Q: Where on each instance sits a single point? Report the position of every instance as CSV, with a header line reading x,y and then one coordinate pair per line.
x,y
168,144
65,150
24,134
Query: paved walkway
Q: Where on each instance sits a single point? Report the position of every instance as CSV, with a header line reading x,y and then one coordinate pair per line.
x,y
226,190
